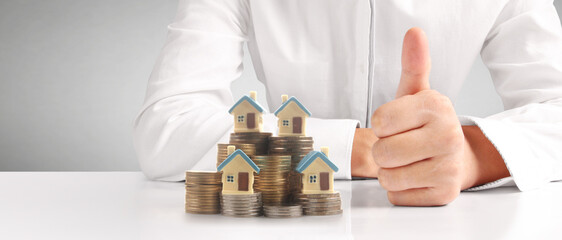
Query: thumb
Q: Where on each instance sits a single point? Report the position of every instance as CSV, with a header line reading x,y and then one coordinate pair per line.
x,y
416,63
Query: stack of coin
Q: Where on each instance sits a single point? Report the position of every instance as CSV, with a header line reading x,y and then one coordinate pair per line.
x,y
295,185
282,211
202,190
222,154
272,180
259,139
297,147
320,204
241,205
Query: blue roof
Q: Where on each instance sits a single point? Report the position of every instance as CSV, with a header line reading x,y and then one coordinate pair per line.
x,y
292,99
250,100
243,155
310,157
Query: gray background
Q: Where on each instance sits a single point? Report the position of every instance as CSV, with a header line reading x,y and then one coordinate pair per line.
x,y
74,73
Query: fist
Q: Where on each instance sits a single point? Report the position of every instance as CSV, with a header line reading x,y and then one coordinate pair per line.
x,y
421,142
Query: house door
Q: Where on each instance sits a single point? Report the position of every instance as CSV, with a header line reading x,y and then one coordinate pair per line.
x,y
297,125
324,181
243,181
251,120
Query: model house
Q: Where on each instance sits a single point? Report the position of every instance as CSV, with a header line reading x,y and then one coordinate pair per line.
x,y
291,117
248,114
237,173
317,172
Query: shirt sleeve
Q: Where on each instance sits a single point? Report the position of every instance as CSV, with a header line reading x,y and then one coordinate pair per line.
x,y
185,113
523,52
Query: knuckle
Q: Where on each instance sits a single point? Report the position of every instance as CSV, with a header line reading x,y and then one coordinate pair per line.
x,y
381,154
449,172
434,101
458,139
388,181
379,121
383,178
446,195
392,198
376,152
450,197
451,139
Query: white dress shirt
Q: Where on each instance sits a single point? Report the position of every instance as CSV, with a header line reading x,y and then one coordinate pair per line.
x,y
341,59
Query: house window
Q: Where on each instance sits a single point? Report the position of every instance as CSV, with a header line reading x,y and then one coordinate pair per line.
x,y
285,123
240,118
230,178
312,179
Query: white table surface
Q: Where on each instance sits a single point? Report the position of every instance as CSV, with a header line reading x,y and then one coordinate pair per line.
x,y
124,205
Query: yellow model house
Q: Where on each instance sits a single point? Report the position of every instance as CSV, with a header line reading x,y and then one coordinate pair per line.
x,y
291,117
237,173
248,114
317,172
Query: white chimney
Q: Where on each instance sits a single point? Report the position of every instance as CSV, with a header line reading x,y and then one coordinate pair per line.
x,y
230,149
253,95
325,150
284,98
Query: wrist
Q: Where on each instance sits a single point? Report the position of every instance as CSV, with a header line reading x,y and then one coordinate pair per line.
x,y
471,166
483,163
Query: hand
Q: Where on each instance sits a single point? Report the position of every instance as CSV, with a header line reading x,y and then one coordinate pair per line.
x,y
362,161
422,153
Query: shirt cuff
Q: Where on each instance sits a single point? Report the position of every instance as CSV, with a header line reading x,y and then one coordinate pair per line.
x,y
515,151
503,182
337,134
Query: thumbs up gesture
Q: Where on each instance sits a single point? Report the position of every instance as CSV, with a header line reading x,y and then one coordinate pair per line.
x,y
421,144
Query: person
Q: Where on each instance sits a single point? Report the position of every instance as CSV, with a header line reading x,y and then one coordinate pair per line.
x,y
380,94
